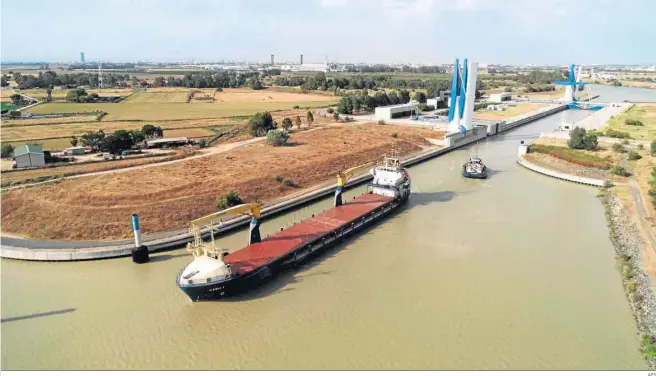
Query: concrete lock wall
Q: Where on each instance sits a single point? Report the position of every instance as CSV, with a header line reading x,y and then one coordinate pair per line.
x,y
459,139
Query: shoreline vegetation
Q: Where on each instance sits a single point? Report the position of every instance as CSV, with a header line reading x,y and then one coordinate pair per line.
x,y
637,282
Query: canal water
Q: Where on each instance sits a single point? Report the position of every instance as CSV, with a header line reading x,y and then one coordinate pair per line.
x,y
514,272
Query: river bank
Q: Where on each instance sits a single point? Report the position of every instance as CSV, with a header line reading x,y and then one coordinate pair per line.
x,y
637,282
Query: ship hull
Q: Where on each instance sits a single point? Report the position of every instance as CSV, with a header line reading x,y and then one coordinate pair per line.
x,y
475,175
249,281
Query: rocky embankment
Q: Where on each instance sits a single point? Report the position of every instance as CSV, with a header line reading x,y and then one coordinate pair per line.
x,y
637,283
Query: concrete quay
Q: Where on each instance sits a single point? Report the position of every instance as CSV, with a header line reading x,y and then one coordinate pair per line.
x,y
31,250
523,150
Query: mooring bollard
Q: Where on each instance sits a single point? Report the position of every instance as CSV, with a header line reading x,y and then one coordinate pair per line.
x,y
140,251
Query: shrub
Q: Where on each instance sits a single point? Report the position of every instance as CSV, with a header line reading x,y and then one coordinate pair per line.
x,y
641,146
202,143
608,184
290,183
618,147
617,134
279,179
330,110
381,122
580,139
277,137
229,200
625,142
286,123
297,107
573,156
260,124
620,171
633,122
653,148
7,150
634,156
652,185
395,135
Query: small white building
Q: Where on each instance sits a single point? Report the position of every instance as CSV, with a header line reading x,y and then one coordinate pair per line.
x,y
29,156
500,97
394,111
433,101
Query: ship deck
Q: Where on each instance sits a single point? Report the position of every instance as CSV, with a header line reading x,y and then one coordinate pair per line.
x,y
256,255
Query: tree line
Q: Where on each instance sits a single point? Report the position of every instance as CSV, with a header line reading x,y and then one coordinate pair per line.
x,y
119,140
319,81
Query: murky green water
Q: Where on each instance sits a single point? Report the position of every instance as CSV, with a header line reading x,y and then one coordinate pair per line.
x,y
515,272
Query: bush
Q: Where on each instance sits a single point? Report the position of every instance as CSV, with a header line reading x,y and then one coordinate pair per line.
x,y
580,139
617,134
202,143
625,142
279,179
573,156
634,156
381,122
641,146
653,148
277,137
618,147
260,124
620,171
228,200
633,122
7,150
395,135
290,183
330,110
608,184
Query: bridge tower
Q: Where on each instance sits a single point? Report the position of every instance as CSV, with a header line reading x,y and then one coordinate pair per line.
x,y
463,94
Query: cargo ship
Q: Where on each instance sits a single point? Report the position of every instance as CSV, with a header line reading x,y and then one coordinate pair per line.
x,y
474,168
214,273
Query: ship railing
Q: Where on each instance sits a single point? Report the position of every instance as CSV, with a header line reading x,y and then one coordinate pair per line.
x,y
198,281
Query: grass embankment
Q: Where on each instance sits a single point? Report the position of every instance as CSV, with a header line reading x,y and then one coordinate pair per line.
x,y
637,284
579,157
167,197
643,114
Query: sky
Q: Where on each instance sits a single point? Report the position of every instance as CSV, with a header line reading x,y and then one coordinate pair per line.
x,y
355,31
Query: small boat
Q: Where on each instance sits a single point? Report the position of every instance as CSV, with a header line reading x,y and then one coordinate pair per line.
x,y
474,169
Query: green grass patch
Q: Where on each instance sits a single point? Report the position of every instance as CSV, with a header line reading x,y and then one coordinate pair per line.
x,y
639,121
8,106
578,157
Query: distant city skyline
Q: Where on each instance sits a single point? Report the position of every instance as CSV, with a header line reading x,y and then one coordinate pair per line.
x,y
518,32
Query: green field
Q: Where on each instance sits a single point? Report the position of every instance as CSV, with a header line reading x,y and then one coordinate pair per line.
x,y
8,106
157,97
645,113
139,111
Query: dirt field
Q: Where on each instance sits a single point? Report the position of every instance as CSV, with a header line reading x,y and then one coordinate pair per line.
x,y
510,111
645,113
19,132
167,197
19,176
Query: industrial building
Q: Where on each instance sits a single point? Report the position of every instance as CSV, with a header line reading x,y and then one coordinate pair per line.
x,y
74,150
394,111
162,142
29,156
500,97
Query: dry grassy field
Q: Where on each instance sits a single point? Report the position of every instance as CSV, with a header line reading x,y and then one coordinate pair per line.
x,y
644,113
510,111
144,106
167,197
19,176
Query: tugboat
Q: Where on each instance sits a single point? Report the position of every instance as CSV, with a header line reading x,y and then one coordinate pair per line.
x,y
474,168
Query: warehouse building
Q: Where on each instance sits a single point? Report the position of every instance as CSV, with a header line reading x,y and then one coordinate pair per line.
x,y
500,97
167,142
29,156
394,111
